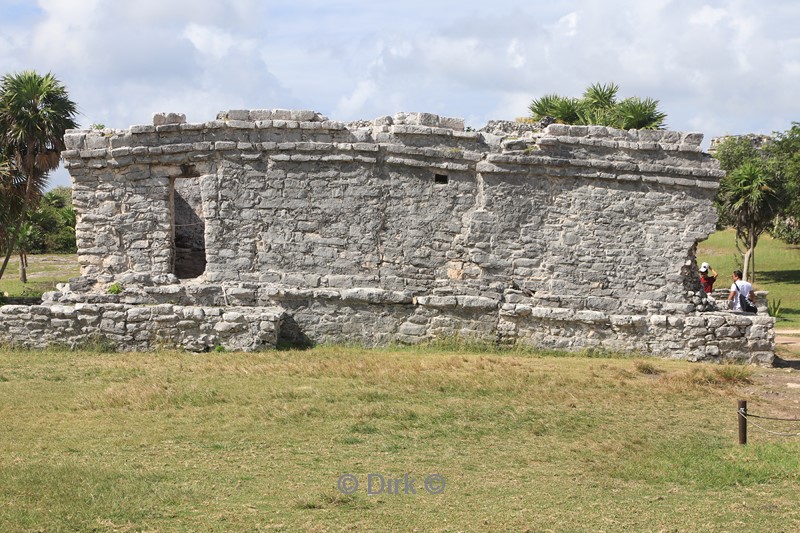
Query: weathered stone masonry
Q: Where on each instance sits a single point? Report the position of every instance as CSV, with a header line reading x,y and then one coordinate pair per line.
x,y
402,228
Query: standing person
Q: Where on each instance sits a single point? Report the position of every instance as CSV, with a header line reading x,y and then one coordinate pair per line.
x,y
739,287
705,280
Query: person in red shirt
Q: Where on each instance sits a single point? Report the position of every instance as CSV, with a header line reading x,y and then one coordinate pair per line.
x,y
706,280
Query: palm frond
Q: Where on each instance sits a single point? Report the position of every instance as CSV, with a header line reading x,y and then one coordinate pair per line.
x,y
640,114
601,96
544,106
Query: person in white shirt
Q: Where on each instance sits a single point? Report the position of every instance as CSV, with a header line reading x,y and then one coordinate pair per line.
x,y
739,287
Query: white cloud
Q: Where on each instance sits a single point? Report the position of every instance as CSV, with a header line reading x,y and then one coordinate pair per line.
x,y
209,40
567,25
354,102
516,53
707,16
720,66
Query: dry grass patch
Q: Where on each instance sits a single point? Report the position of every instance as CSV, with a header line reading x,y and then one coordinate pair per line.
x,y
646,367
230,441
711,375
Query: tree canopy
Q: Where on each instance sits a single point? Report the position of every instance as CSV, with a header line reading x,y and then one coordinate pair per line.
x,y
751,197
784,151
761,190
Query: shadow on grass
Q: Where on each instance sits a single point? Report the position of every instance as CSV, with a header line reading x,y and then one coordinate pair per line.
x,y
787,312
779,362
779,276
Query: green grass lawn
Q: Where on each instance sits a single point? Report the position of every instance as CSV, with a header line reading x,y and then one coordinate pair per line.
x,y
257,442
777,270
44,271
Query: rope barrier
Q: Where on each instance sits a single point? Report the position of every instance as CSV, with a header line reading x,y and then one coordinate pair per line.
x,y
774,418
747,417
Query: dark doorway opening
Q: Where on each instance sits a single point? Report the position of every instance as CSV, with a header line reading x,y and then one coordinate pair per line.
x,y
189,226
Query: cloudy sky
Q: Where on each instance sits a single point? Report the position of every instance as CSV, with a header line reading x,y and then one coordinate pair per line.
x,y
718,67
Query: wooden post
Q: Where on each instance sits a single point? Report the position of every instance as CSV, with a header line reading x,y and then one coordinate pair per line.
x,y
741,413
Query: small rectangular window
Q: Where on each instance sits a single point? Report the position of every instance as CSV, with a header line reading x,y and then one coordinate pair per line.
x,y
440,179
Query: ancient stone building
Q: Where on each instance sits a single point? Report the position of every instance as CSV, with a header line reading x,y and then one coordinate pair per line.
x,y
273,225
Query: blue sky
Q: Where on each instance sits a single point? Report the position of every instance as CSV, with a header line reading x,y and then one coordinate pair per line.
x,y
717,67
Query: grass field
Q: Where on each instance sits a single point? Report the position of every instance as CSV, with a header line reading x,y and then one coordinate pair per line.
x,y
257,442
44,271
777,270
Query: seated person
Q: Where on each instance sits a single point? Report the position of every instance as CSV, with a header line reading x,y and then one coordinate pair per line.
x,y
706,280
740,287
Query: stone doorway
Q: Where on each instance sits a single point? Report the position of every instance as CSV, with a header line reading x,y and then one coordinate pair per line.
x,y
188,223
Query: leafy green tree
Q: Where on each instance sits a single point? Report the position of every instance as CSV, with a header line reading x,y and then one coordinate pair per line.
x,y
599,106
777,159
35,112
750,196
732,153
784,151
53,223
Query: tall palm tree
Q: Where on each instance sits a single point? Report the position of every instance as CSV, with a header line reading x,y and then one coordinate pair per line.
x,y
9,197
35,111
751,197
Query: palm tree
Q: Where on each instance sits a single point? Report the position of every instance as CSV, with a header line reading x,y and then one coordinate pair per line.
x,y
637,114
9,199
35,112
600,96
751,198
599,106
564,110
26,232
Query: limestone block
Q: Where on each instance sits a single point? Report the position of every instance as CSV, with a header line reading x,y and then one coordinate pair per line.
x,y
138,314
592,317
303,115
409,329
161,119
74,142
477,302
761,358
226,327
628,321
760,345
232,316
441,302
63,311
452,123
695,321
241,124
281,114
234,114
377,296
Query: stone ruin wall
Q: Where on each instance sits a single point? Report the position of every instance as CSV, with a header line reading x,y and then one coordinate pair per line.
x,y
273,225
